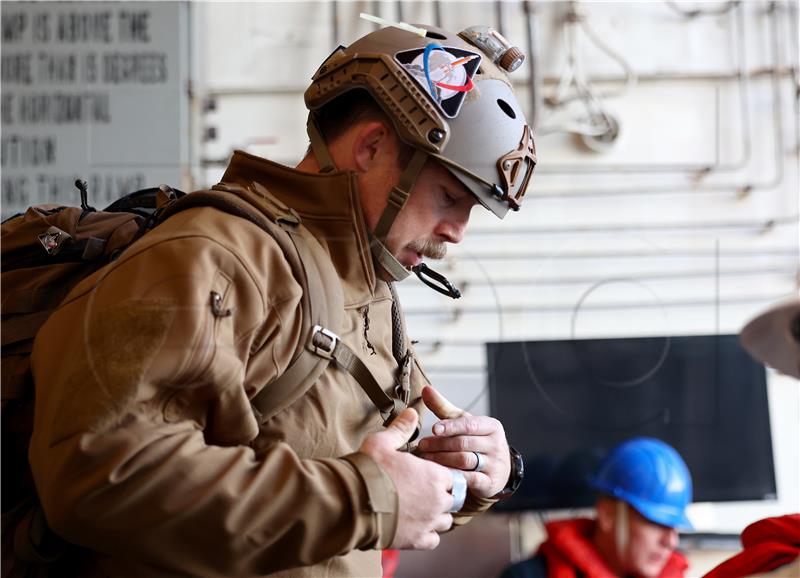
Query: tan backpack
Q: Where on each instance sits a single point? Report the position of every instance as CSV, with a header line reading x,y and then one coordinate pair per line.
x,y
47,250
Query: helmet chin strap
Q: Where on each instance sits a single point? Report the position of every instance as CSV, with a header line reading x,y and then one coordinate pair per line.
x,y
397,199
318,147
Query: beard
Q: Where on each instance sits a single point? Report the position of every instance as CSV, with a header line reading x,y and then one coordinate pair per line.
x,y
430,249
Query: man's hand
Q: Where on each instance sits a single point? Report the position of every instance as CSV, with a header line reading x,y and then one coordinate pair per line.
x,y
423,487
456,438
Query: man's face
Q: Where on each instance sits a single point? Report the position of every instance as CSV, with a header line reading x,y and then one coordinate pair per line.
x,y
649,546
436,213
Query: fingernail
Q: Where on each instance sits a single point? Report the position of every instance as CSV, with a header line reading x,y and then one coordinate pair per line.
x,y
438,429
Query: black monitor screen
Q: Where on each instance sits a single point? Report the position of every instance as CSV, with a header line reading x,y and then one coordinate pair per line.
x,y
565,404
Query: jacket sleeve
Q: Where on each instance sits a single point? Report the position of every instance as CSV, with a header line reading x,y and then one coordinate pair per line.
x,y
142,419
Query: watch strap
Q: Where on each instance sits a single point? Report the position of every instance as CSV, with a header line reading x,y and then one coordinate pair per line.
x,y
514,477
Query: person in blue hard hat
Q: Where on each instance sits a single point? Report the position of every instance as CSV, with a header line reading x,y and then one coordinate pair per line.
x,y
643,489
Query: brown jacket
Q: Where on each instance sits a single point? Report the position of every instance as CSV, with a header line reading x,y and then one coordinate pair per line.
x,y
146,450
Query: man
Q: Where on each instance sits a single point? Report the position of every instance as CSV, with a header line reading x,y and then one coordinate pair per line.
x,y
146,450
644,488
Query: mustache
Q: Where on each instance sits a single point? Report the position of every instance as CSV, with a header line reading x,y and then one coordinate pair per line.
x,y
430,249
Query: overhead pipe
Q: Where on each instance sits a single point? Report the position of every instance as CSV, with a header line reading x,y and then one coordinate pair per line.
x,y
498,16
521,309
335,22
649,276
627,254
757,226
534,75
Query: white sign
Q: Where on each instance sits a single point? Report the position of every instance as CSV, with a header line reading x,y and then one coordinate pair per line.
x,y
94,91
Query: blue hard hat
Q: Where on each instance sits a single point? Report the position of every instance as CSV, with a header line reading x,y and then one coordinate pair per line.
x,y
652,477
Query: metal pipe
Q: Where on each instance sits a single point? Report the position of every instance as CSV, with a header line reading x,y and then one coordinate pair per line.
x,y
463,283
376,11
794,34
758,226
520,309
673,76
668,77
793,251
498,16
534,76
335,22
194,103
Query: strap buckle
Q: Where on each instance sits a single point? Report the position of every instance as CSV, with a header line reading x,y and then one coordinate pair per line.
x,y
403,388
323,341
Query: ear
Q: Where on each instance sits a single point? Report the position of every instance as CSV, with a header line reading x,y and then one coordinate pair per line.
x,y
372,141
606,512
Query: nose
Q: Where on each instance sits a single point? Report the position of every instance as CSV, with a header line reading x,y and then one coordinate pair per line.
x,y
451,228
450,231
669,538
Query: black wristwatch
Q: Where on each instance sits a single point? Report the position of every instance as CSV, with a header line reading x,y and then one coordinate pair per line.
x,y
514,478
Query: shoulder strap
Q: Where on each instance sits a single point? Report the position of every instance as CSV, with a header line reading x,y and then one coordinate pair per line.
x,y
303,253
322,301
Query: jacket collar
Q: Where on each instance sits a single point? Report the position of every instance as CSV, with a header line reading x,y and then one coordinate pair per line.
x,y
329,207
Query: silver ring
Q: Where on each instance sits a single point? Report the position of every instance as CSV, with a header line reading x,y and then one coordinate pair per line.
x,y
480,463
459,491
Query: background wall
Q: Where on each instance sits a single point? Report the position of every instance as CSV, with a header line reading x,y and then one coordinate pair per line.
x,y
685,223
94,91
665,201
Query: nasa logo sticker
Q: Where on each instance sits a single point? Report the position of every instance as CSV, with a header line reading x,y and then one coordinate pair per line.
x,y
52,240
444,72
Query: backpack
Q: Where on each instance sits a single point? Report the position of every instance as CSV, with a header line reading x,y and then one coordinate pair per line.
x,y
47,250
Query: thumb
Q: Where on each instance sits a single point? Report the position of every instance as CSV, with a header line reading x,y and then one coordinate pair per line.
x,y
440,405
401,430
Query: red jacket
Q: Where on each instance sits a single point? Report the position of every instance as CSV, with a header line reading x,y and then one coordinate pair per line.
x,y
569,552
768,544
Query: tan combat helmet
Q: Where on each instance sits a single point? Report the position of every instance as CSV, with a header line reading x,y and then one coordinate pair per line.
x,y
450,99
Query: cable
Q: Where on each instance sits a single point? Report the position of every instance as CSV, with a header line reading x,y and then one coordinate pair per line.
x,y
599,127
695,12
